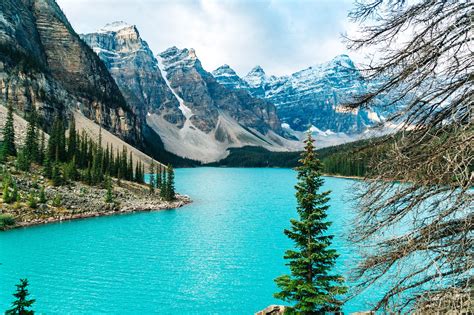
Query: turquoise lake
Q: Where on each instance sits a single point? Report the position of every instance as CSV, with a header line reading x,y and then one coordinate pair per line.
x,y
218,255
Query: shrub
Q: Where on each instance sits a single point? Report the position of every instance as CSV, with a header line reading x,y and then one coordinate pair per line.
x,y
6,220
32,201
57,201
42,196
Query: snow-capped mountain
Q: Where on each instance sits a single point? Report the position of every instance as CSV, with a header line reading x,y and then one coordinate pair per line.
x,y
312,97
135,69
194,115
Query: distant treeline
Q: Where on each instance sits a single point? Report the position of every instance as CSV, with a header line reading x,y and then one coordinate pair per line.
x,y
350,159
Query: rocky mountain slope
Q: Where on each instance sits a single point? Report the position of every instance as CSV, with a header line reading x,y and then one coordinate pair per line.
x,y
310,98
44,63
194,116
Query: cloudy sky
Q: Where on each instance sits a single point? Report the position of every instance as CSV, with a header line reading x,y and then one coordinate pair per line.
x,y
282,36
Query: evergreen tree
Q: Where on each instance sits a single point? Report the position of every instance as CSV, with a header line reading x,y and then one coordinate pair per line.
x,y
22,160
48,168
56,175
8,147
70,170
15,196
158,177
72,139
164,185
137,172
151,183
109,195
311,285
31,147
21,304
130,167
169,191
7,180
142,173
32,201
42,196
41,152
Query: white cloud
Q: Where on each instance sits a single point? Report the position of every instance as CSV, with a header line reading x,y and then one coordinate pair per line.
x,y
282,36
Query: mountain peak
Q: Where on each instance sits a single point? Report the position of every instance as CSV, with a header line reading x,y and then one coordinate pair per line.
x,y
343,60
224,70
256,70
115,26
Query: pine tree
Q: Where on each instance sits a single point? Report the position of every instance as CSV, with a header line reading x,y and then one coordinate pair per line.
x,y
137,172
9,148
56,175
41,152
170,193
72,139
158,178
23,163
164,185
109,195
21,304
15,196
311,285
32,201
7,197
48,168
130,167
151,183
42,196
31,147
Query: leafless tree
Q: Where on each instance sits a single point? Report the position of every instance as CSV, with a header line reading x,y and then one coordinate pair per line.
x,y
416,210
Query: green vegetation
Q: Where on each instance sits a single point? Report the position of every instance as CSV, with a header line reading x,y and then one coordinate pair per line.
x,y
349,159
22,304
8,145
109,195
6,220
57,202
311,286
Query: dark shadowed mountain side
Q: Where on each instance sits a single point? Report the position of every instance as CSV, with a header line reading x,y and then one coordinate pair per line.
x,y
350,159
195,116
44,63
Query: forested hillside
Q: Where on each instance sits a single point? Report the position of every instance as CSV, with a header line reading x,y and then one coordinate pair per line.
x,y
350,159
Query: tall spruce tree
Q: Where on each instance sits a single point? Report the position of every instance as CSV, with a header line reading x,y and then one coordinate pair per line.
x,y
158,177
8,147
311,286
22,304
163,185
31,148
72,139
170,193
151,183
41,151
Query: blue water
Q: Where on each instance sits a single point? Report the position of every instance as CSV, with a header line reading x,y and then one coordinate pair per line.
x,y
218,255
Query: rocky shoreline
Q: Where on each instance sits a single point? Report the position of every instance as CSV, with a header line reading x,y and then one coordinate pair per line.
x,y
80,201
137,207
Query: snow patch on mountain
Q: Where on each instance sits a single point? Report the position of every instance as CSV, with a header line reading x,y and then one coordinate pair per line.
x,y
187,112
115,27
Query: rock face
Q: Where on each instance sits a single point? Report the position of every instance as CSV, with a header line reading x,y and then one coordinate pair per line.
x,y
310,97
135,70
195,116
44,63
206,97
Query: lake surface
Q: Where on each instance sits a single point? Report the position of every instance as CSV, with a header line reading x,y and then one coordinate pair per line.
x,y
218,255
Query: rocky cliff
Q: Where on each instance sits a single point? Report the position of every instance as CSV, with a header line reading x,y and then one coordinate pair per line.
x,y
135,70
192,114
44,63
310,98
